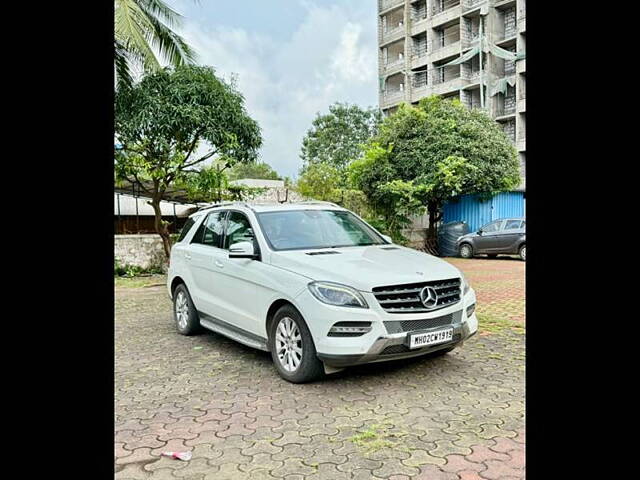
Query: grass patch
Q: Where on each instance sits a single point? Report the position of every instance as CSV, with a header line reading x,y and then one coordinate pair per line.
x,y
375,438
492,324
138,282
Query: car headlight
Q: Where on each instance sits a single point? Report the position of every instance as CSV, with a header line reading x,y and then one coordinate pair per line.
x,y
465,284
337,294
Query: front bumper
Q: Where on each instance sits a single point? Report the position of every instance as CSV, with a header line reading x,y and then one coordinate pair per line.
x,y
379,345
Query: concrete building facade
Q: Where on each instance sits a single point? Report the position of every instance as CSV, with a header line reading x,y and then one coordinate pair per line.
x,y
417,38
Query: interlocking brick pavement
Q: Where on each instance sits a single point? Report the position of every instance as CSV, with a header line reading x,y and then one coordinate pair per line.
x,y
456,417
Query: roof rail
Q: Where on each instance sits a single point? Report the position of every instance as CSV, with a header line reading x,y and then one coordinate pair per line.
x,y
225,204
317,202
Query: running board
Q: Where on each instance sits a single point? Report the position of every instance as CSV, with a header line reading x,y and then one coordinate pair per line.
x,y
232,332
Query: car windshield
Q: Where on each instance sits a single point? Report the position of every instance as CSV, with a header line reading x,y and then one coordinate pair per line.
x,y
311,229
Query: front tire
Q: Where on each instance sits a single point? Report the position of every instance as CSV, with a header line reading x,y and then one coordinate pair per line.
x,y
523,253
184,312
466,251
292,348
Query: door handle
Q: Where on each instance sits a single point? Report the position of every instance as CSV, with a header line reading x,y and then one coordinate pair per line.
x,y
187,256
219,264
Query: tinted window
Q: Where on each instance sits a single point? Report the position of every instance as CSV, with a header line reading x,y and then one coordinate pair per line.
x,y
187,226
492,227
309,229
238,229
211,230
513,224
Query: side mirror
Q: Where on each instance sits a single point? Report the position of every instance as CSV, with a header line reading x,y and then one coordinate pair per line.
x,y
387,238
242,250
480,232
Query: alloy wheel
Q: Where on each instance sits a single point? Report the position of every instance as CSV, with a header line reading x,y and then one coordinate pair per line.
x,y
182,310
288,344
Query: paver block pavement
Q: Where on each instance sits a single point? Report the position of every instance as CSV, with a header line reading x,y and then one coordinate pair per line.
x,y
456,417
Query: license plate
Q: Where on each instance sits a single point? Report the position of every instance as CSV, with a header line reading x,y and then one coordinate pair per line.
x,y
432,338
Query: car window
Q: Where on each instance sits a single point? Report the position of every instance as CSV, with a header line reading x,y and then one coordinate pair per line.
x,y
211,230
513,225
492,227
238,229
312,229
187,226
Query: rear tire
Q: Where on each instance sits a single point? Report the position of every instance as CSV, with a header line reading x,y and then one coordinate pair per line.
x,y
466,251
184,312
523,253
292,348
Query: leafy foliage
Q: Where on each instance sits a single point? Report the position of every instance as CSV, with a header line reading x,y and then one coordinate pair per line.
x,y
425,155
161,121
336,138
211,184
259,170
143,27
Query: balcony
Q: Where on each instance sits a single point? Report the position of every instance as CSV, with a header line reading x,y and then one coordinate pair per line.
x,y
446,45
419,55
393,64
471,4
419,14
444,11
445,80
384,5
390,97
419,85
392,34
441,6
507,109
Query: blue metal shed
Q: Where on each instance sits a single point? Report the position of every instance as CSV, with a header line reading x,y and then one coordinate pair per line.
x,y
476,212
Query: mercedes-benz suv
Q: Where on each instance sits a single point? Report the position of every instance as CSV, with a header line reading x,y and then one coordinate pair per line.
x,y
316,286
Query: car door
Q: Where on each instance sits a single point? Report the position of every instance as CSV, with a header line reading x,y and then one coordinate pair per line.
x,y
206,256
510,234
241,278
487,241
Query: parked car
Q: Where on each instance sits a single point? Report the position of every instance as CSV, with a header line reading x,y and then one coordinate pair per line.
x,y
316,286
506,236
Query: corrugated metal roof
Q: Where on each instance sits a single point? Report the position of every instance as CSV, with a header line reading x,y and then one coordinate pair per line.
x,y
127,206
476,213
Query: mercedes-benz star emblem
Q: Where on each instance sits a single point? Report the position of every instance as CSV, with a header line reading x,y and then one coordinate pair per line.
x,y
428,297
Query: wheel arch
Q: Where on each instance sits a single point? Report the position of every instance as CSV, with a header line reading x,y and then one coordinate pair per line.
x,y
175,282
273,308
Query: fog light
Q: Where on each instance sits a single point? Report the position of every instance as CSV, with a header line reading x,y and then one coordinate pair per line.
x,y
471,309
349,329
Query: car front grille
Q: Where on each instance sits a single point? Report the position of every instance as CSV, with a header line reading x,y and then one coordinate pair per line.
x,y
400,326
406,298
402,348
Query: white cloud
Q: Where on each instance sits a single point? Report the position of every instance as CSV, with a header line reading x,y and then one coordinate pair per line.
x,y
330,57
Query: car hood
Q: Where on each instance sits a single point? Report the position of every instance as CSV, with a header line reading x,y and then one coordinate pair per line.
x,y
366,267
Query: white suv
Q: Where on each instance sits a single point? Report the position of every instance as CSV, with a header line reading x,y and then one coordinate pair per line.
x,y
316,286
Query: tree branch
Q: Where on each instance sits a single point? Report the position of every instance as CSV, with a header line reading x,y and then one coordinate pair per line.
x,y
193,144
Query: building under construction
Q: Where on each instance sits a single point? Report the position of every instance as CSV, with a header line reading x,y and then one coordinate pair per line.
x,y
473,50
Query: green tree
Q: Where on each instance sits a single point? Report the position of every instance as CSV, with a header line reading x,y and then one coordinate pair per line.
x,y
431,153
161,122
211,184
336,138
259,170
142,28
318,181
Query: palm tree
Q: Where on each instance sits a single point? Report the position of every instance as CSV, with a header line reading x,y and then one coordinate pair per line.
x,y
143,27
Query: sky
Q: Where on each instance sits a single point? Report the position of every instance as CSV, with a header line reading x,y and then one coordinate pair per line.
x,y
291,58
